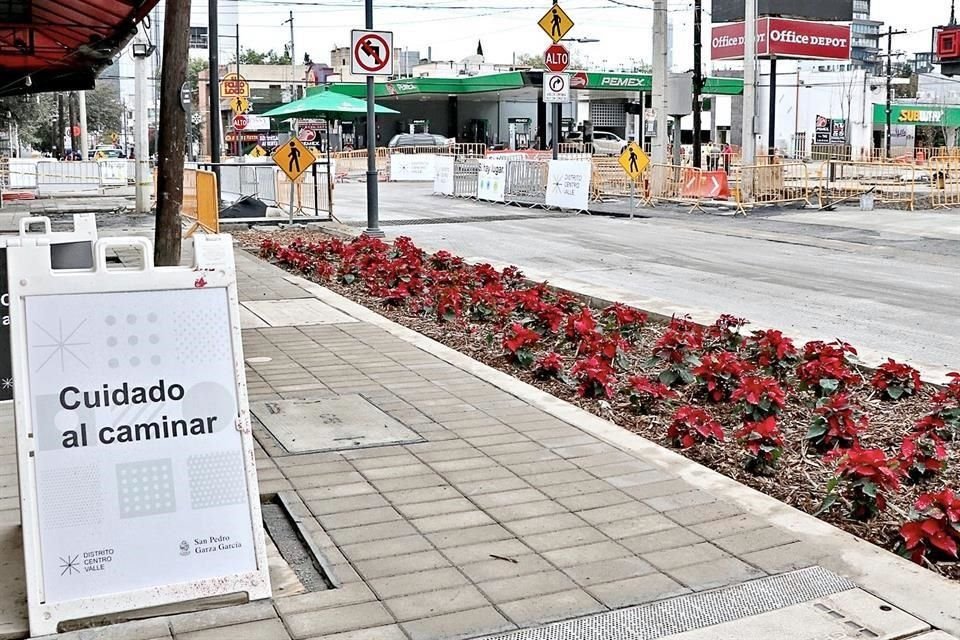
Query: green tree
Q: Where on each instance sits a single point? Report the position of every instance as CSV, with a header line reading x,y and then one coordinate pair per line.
x,y
250,56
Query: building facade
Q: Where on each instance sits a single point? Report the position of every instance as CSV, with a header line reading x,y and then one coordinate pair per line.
x,y
865,37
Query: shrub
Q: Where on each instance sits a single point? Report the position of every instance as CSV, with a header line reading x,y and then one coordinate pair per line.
x,y
580,324
934,528
922,455
625,320
838,423
773,352
644,393
764,442
517,340
692,426
549,366
595,377
676,350
946,410
944,424
724,334
865,477
719,374
894,380
824,368
761,397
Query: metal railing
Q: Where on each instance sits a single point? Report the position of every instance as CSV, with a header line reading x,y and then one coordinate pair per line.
x,y
526,182
313,192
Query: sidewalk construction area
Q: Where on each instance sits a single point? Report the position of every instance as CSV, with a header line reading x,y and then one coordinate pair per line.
x,y
412,493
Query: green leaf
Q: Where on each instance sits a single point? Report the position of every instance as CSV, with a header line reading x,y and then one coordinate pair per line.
x,y
686,376
817,430
895,393
832,484
668,377
869,489
828,502
348,278
829,385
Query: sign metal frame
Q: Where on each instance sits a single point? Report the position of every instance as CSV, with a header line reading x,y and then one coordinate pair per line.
x,y
360,40
31,275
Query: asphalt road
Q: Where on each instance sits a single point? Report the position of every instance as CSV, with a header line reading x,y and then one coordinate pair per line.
x,y
886,281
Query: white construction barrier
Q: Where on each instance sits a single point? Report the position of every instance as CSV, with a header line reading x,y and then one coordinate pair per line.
x,y
443,175
568,184
412,167
492,180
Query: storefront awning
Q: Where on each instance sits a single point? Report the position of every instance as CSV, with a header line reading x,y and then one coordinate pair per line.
x,y
62,45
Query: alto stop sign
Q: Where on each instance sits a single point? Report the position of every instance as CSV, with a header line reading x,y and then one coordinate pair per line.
x,y
557,58
239,122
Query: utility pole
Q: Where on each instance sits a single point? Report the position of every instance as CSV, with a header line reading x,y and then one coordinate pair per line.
x,y
82,114
213,47
749,143
555,125
141,51
72,115
373,207
889,112
60,129
293,96
173,125
659,143
697,80
237,42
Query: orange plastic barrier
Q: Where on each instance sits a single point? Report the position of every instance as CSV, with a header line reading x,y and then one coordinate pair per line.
x,y
706,185
207,215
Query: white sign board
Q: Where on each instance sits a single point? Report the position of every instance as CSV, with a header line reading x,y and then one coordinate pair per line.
x,y
371,53
492,180
443,175
137,475
412,167
257,123
568,184
556,87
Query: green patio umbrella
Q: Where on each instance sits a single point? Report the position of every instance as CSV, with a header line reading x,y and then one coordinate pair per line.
x,y
328,105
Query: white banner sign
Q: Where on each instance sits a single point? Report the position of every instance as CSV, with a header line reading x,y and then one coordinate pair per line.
x,y
492,180
138,484
443,176
412,167
568,184
257,123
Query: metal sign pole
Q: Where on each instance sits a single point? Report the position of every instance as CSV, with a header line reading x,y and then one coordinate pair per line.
x,y
373,209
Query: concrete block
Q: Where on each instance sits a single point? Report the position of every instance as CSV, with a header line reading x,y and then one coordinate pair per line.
x,y
351,593
680,500
756,540
635,527
561,539
586,554
473,535
713,574
458,626
525,510
409,583
368,532
556,606
440,507
497,568
610,570
545,524
526,586
435,603
386,548
661,540
311,624
614,513
396,565
683,556
504,498
634,591
461,520
358,517
595,500
485,551
388,632
221,617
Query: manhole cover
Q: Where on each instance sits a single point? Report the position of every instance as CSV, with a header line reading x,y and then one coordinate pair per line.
x,y
330,424
294,313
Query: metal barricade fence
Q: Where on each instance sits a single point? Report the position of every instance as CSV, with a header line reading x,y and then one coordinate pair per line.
x,y
189,206
240,180
890,184
465,175
526,182
944,184
774,183
608,179
310,192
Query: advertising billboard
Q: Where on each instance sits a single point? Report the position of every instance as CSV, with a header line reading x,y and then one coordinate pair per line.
x,y
783,38
828,10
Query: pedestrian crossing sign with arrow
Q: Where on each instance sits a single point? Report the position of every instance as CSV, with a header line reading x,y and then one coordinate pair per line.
x,y
633,160
293,158
556,23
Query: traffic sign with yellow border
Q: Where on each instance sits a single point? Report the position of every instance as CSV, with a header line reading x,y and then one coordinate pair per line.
x,y
633,160
239,104
555,23
233,85
258,152
293,158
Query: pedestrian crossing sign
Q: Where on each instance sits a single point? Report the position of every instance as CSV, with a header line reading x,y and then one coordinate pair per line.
x,y
258,152
293,158
556,23
633,160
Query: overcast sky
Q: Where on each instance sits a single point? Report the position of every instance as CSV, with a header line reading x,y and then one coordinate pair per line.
x,y
507,27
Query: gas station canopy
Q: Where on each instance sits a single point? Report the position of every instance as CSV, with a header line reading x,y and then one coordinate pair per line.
x,y
62,45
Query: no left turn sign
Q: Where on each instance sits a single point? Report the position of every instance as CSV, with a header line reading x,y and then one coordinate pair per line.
x,y
372,53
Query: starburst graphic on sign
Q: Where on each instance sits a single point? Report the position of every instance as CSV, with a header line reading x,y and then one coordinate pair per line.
x,y
6,383
61,347
68,565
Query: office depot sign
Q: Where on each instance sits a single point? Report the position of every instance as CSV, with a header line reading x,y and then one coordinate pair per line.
x,y
783,38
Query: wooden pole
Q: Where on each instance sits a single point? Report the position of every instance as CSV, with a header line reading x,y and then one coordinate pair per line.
x,y
172,132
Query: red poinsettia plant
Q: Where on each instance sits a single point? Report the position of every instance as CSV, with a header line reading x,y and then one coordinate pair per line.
x,y
763,442
625,320
595,376
724,334
760,397
838,423
772,352
676,351
549,366
692,426
923,455
644,393
518,341
865,477
825,368
894,380
719,374
934,527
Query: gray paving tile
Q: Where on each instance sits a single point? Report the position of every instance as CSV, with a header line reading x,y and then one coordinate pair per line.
x,y
525,510
435,603
636,526
386,548
526,586
408,583
661,540
682,556
458,626
473,535
680,500
586,554
353,593
435,508
556,606
713,574
480,487
545,524
558,491
396,565
388,632
729,526
466,554
639,590
504,498
463,519
350,503
614,513
270,629
368,532
425,494
582,502
358,517
755,540
609,570
579,536
498,568
311,624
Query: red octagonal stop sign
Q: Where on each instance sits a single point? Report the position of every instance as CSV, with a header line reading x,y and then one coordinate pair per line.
x,y
557,58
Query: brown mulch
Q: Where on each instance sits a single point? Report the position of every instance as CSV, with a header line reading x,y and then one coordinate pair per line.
x,y
801,476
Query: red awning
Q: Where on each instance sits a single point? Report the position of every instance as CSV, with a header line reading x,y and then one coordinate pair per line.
x,y
62,44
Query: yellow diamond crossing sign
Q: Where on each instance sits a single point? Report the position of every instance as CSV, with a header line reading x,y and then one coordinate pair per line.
x,y
556,23
239,104
293,158
633,160
258,152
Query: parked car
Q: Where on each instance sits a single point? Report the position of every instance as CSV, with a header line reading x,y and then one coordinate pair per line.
x,y
106,153
419,140
608,144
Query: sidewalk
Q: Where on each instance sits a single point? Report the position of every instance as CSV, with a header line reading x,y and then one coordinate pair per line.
x,y
503,508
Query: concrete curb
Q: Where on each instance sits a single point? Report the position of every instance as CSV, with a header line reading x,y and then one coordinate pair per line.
x,y
900,582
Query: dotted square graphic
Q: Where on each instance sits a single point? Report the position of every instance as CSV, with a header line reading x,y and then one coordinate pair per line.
x,y
70,496
217,479
145,488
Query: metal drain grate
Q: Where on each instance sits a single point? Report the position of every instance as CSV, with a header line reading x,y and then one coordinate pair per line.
x,y
695,611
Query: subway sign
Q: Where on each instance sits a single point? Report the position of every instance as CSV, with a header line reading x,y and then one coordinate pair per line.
x,y
921,115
